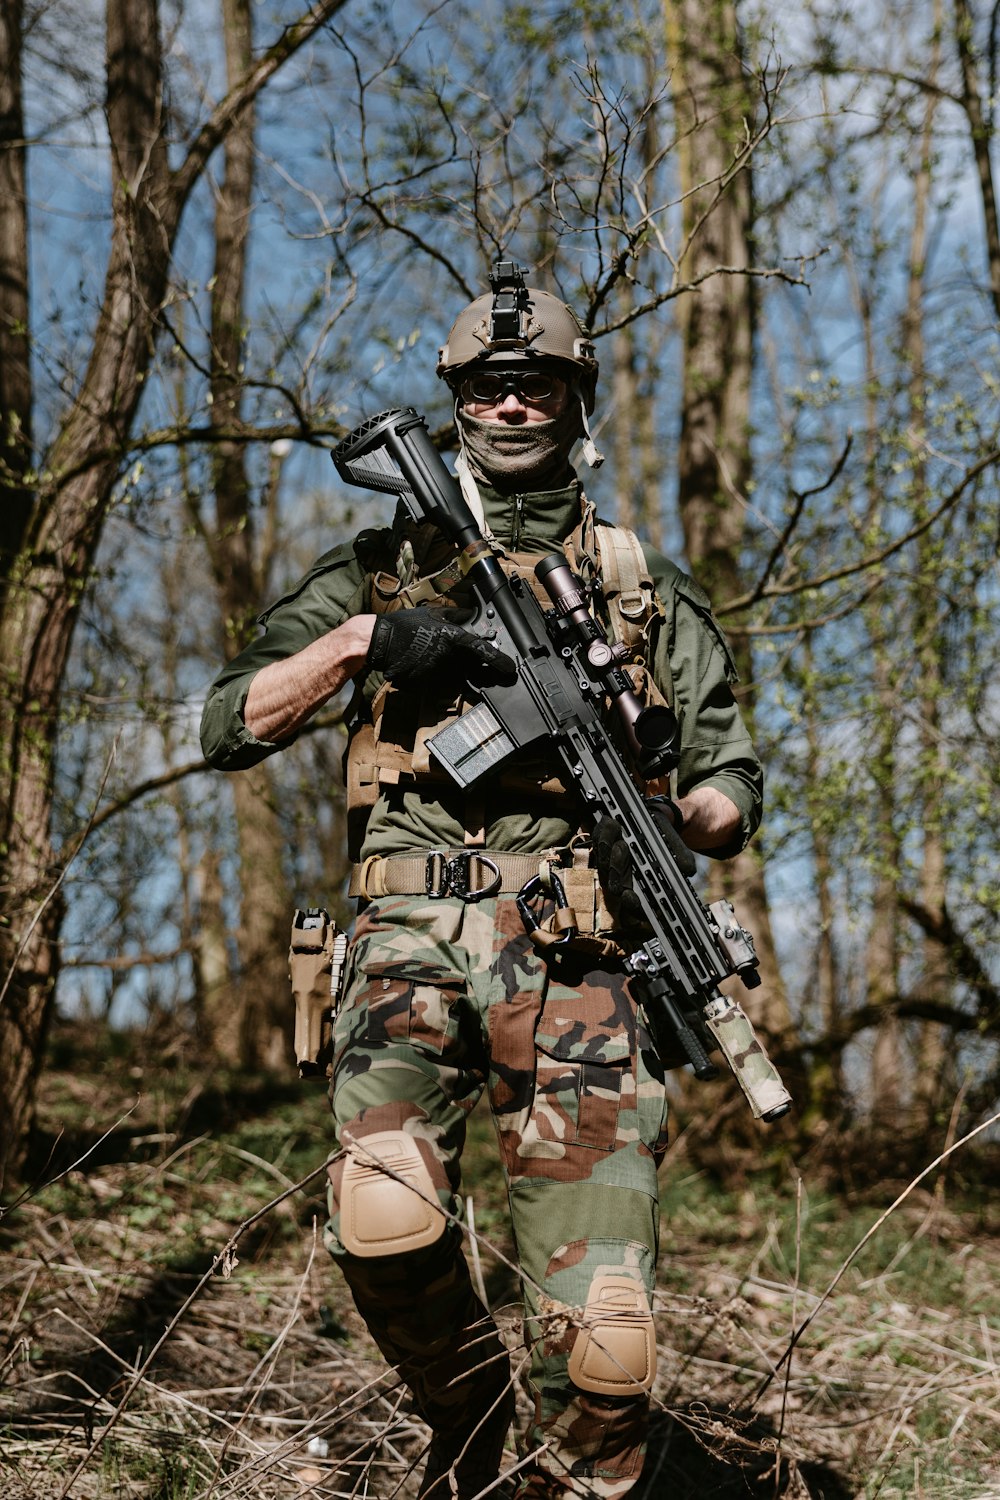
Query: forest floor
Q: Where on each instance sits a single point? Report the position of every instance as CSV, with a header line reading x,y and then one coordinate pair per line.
x,y
141,1358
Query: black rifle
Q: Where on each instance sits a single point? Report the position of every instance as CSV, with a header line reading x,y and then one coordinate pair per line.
x,y
566,670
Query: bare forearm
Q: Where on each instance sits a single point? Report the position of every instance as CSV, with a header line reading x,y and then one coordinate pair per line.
x,y
710,818
285,694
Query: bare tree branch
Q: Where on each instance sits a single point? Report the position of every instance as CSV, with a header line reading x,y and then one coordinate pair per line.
x,y
871,559
214,129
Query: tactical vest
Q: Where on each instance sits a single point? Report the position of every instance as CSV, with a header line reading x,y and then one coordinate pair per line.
x,y
388,737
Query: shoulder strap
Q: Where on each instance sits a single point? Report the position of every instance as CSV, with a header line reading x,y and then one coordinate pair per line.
x,y
616,556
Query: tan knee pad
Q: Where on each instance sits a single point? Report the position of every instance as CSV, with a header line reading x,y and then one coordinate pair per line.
x,y
383,1214
615,1349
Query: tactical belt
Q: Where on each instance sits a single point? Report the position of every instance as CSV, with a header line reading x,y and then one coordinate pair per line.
x,y
468,874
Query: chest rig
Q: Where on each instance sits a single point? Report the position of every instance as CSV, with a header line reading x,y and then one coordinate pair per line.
x,y
388,739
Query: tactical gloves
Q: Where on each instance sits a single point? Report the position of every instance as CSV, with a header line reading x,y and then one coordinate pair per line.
x,y
412,645
614,862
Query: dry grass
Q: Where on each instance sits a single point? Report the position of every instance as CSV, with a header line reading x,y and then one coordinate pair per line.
x,y
131,1367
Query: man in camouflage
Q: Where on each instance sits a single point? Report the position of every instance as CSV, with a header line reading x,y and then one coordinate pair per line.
x,y
446,994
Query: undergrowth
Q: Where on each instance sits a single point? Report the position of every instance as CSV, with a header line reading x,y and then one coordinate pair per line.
x,y
133,1368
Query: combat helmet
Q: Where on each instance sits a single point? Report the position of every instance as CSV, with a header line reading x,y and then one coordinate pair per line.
x,y
515,322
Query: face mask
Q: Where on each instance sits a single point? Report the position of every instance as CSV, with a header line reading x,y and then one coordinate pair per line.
x,y
532,455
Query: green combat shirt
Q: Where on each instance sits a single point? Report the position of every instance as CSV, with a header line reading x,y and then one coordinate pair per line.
x,y
691,664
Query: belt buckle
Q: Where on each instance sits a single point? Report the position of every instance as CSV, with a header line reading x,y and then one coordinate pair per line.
x,y
450,876
436,874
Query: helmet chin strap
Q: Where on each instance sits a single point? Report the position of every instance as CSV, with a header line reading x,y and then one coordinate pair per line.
x,y
588,447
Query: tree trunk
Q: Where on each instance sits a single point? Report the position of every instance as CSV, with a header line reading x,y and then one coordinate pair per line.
x,y
47,576
980,133
263,995
638,464
827,1074
624,399
712,102
232,545
881,975
216,1015
935,1081
257,1010
882,947
15,360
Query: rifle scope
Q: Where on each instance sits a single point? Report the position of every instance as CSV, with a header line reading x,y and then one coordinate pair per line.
x,y
650,729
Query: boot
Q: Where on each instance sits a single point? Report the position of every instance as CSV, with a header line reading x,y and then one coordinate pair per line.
x,y
461,1462
533,1484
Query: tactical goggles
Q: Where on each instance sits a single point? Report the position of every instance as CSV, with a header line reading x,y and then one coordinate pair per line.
x,y
492,387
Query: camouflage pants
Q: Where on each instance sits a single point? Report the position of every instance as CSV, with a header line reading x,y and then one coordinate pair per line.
x,y
443,1000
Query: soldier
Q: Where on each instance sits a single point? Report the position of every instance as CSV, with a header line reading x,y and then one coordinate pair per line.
x,y
445,994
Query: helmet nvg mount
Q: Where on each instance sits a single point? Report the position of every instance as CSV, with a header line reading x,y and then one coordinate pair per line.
x,y
517,322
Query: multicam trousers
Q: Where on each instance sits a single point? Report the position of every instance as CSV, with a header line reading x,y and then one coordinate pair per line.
x,y
445,999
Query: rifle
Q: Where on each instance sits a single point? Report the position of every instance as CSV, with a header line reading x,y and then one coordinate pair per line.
x,y
566,671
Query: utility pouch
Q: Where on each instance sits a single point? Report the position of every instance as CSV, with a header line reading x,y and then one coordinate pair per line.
x,y
316,959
